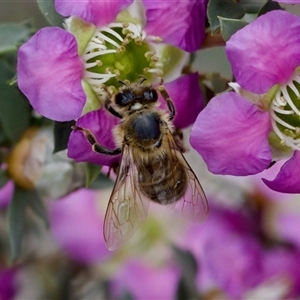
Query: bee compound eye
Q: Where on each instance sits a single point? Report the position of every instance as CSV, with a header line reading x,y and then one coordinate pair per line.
x,y
123,98
150,95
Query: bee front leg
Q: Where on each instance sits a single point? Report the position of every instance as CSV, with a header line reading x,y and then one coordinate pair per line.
x,y
95,145
111,110
168,100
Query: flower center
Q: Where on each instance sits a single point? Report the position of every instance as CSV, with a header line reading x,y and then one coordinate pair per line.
x,y
118,52
285,113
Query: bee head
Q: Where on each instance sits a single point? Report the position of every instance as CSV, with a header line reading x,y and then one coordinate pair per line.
x,y
131,96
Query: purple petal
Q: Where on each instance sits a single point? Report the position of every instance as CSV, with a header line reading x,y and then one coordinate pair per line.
x,y
153,283
288,178
259,63
101,124
77,227
97,12
283,264
6,193
8,284
231,134
50,72
186,95
288,1
287,225
179,23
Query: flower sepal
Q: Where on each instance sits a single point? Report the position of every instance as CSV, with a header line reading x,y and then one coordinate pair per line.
x,y
82,31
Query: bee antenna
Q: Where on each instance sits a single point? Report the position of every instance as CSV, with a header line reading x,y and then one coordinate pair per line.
x,y
123,82
143,78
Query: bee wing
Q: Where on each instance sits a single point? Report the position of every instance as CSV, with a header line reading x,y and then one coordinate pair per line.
x,y
127,206
193,204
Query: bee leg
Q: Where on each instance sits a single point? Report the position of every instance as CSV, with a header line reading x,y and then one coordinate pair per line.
x,y
95,145
168,100
178,136
111,110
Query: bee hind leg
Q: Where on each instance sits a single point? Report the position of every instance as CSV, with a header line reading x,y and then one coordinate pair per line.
x,y
95,145
168,100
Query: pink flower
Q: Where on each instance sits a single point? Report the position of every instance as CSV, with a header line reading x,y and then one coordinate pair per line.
x,y
77,227
145,282
242,133
62,72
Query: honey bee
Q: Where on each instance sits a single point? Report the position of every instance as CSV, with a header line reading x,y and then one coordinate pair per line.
x,y
152,166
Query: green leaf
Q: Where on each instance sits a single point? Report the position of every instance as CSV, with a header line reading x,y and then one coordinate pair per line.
x,y
16,222
12,35
223,8
62,132
269,6
3,178
51,15
230,26
16,217
37,206
189,268
252,7
125,295
91,172
102,181
15,111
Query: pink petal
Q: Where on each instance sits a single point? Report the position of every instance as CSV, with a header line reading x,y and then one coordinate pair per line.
x,y
153,282
97,12
8,283
77,227
6,193
50,72
259,62
231,134
179,23
101,124
288,1
186,95
288,178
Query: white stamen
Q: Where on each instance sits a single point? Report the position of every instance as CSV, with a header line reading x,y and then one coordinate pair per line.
x,y
157,71
276,129
90,65
279,100
100,81
282,111
136,30
88,56
278,120
289,135
96,75
107,39
294,89
112,32
289,100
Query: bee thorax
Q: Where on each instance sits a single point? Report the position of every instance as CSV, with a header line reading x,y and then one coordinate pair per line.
x,y
146,127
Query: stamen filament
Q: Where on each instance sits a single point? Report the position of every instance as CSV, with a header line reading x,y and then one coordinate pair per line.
x,y
278,120
112,32
279,100
282,111
294,89
289,100
109,40
100,81
97,75
88,56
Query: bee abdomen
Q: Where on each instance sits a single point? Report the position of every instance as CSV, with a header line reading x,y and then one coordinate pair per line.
x,y
162,181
